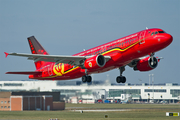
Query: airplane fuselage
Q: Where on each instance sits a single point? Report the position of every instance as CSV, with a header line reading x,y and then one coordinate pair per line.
x,y
122,51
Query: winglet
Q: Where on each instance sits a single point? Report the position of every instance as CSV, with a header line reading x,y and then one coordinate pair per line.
x,y
6,54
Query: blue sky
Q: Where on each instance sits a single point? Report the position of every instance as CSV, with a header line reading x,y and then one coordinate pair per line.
x,y
67,27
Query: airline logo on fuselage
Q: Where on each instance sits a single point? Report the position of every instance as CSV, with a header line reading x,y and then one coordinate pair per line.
x,y
90,64
59,69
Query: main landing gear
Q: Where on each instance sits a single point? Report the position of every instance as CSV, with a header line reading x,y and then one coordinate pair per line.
x,y
121,79
86,78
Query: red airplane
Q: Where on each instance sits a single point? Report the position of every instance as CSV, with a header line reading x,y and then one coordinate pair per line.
x,y
126,51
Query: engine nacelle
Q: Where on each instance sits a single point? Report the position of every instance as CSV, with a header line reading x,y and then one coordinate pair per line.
x,y
95,62
146,64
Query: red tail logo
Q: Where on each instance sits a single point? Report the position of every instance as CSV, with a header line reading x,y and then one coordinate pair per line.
x,y
36,48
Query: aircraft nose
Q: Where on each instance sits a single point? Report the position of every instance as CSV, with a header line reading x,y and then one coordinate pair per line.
x,y
167,39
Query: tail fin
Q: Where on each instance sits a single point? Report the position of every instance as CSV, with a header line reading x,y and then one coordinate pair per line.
x,y
36,48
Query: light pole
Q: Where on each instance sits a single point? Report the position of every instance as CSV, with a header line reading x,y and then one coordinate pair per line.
x,y
140,81
153,86
149,79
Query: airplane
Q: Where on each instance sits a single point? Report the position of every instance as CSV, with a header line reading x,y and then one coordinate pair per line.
x,y
127,51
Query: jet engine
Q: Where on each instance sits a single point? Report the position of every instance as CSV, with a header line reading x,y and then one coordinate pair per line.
x,y
147,64
95,62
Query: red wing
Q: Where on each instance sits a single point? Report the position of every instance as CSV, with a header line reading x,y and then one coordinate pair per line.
x,y
25,73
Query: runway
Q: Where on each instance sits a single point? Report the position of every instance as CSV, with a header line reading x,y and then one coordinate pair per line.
x,y
103,110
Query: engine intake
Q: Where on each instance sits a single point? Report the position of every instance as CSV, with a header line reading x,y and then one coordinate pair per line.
x,y
95,62
146,64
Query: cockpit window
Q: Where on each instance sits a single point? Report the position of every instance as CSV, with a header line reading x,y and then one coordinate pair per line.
x,y
156,32
161,31
152,33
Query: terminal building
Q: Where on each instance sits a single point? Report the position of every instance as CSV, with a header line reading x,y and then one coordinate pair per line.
x,y
140,93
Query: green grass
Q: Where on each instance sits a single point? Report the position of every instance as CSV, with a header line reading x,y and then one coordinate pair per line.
x,y
138,112
123,106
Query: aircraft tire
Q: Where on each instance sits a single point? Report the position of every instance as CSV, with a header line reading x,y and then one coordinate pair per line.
x,y
84,79
118,79
123,79
89,78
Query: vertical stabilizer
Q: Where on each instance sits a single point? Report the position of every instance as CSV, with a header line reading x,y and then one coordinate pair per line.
x,y
36,48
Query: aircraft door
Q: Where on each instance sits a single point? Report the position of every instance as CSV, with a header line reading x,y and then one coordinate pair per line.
x,y
142,37
50,70
103,49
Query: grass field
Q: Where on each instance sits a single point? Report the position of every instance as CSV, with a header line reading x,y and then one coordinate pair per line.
x,y
137,112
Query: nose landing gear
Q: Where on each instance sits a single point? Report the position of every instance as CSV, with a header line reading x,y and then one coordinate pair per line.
x,y
121,79
152,59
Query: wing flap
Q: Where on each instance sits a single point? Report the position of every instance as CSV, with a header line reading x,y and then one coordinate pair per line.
x,y
25,73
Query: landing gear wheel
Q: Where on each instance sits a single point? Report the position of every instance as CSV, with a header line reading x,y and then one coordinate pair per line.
x,y
121,79
84,79
89,78
118,79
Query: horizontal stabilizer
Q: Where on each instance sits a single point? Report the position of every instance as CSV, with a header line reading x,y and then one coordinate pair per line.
x,y
6,54
26,73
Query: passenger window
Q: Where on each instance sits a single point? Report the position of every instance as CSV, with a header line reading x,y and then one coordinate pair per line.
x,y
152,33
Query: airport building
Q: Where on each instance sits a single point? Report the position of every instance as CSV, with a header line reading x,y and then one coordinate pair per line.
x,y
20,101
78,92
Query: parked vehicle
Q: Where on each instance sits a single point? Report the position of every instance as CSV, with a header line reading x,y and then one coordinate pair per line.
x,y
99,101
107,101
